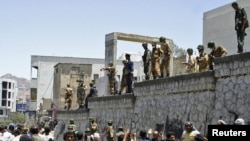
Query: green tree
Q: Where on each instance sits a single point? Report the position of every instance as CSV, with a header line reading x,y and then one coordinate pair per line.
x,y
17,117
178,51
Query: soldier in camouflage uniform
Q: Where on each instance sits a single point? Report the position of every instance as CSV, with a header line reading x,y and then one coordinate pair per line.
x,y
216,51
92,125
68,97
146,58
123,84
202,59
191,62
81,95
241,23
110,131
156,55
72,125
164,66
111,75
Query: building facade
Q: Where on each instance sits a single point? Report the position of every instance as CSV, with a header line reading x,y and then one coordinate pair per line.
x,y
8,91
43,76
218,26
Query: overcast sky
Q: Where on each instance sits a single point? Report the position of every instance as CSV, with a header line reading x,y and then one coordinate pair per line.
x,y
77,28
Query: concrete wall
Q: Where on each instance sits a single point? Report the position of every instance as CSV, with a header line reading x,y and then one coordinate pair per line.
x,y
218,26
166,104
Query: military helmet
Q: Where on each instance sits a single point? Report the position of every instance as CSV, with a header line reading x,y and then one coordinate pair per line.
x,y
71,121
162,38
211,44
200,47
110,121
190,50
111,63
91,118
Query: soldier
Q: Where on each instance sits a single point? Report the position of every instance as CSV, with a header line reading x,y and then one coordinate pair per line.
x,y
72,125
166,57
123,84
146,58
129,74
93,92
111,75
92,125
217,51
156,55
202,59
81,95
68,97
110,131
191,63
241,23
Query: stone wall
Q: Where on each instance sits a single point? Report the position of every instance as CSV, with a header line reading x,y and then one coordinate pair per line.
x,y
166,104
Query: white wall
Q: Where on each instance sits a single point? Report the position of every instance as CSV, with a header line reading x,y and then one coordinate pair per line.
x,y
218,26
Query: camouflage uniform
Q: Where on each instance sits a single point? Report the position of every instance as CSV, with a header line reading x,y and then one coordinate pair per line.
x,y
72,125
166,57
155,63
92,125
241,23
81,94
110,131
111,75
146,58
202,59
191,63
123,84
68,97
217,51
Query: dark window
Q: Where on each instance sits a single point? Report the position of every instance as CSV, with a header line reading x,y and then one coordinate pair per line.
x,y
8,103
4,85
4,94
1,112
9,85
4,102
9,94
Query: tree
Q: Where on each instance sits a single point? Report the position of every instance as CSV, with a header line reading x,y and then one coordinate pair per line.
x,y
17,117
178,52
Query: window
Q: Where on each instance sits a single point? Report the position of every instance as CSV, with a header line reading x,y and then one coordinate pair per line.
x,y
4,85
4,102
1,112
9,94
9,85
4,94
8,103
96,76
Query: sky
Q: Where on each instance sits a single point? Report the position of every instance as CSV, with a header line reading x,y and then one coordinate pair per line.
x,y
77,28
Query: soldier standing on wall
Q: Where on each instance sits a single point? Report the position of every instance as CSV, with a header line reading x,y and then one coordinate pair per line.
x,y
129,74
68,97
241,23
202,59
146,58
191,63
166,57
81,94
111,75
123,84
156,55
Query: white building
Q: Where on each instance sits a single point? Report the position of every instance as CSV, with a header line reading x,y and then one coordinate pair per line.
x,y
218,26
8,92
42,75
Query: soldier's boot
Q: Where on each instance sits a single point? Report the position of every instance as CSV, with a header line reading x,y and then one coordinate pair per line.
x,y
167,75
240,49
119,93
162,75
